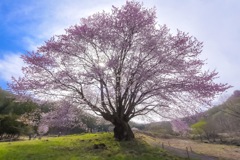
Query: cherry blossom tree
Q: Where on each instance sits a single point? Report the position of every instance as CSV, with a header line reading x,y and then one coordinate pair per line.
x,y
42,129
121,65
64,115
180,126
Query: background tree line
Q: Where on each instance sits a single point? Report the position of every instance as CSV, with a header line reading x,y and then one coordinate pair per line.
x,y
30,118
219,124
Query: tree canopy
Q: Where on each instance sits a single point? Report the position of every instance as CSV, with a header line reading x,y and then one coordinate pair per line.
x,y
121,65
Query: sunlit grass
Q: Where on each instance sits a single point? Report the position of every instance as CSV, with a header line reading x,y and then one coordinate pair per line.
x,y
80,147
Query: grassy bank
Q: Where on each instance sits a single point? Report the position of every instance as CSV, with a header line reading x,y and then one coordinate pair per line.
x,y
100,146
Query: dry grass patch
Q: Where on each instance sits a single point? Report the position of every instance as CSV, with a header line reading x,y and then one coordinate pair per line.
x,y
215,150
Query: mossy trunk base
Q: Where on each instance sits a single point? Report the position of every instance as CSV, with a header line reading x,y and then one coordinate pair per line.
x,y
123,132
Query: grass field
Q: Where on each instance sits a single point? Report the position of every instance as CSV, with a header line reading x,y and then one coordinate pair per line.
x,y
99,146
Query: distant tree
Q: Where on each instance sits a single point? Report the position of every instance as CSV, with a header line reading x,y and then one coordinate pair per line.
x,y
180,126
207,128
11,112
42,129
121,65
102,124
198,128
64,115
140,126
89,121
33,118
232,105
163,127
10,127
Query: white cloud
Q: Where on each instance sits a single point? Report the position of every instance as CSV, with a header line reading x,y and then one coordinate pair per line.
x,y
10,66
216,24
54,18
31,44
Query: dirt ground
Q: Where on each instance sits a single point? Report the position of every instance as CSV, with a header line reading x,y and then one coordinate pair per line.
x,y
193,149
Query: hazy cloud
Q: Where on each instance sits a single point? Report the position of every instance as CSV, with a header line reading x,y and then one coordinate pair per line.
x,y
10,65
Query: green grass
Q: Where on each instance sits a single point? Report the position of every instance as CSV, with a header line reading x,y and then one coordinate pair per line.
x,y
80,147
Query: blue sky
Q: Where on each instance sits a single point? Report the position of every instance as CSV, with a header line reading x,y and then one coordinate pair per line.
x,y
26,24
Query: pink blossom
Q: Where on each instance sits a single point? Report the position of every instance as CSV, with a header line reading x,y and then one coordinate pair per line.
x,y
147,70
43,129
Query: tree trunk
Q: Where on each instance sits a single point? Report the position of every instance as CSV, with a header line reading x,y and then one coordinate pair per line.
x,y
122,131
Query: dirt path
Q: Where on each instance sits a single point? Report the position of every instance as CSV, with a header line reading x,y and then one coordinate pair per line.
x,y
190,154
175,151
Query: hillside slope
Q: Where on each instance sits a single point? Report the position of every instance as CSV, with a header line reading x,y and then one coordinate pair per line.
x,y
99,146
